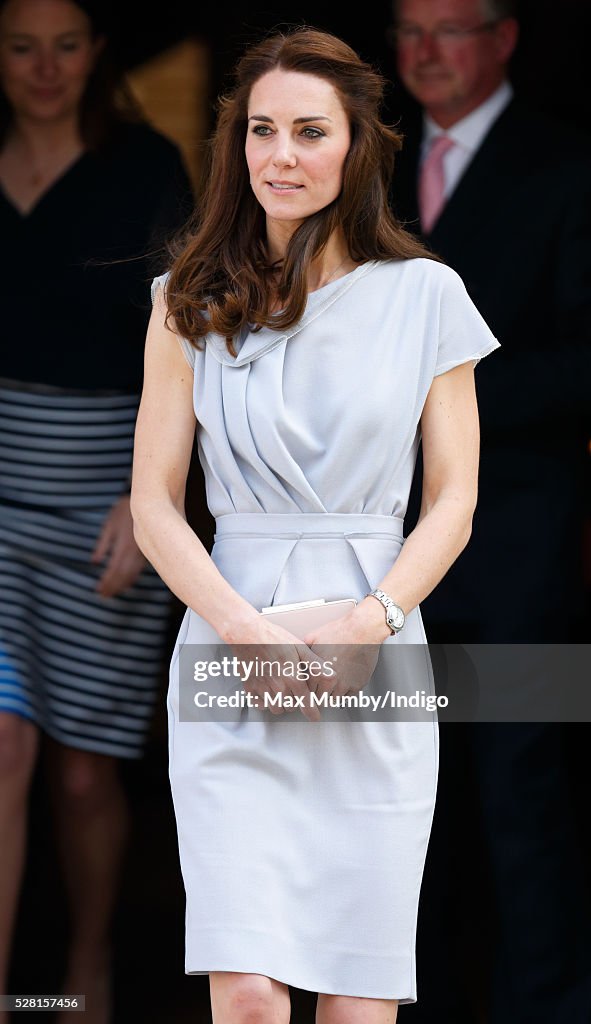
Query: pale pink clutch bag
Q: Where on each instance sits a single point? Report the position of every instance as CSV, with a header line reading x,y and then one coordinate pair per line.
x,y
305,616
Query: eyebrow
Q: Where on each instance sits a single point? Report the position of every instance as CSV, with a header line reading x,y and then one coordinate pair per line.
x,y
62,35
296,120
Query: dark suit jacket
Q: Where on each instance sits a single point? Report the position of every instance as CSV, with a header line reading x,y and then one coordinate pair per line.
x,y
517,229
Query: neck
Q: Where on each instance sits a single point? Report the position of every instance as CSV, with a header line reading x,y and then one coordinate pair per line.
x,y
39,139
331,264
446,116
278,236
333,261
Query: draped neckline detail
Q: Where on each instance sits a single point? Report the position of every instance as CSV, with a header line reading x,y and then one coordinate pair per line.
x,y
258,344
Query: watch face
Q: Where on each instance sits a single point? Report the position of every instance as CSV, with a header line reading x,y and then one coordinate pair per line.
x,y
395,617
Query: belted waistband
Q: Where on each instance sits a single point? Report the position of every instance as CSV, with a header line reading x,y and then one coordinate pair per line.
x,y
294,525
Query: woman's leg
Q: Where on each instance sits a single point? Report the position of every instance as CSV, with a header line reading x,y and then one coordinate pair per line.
x,y
19,743
355,1010
92,826
248,999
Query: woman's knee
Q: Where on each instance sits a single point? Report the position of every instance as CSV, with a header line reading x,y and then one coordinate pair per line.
x,y
19,741
83,779
334,1009
242,998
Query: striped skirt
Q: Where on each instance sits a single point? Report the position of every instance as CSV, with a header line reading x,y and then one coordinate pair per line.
x,y
86,669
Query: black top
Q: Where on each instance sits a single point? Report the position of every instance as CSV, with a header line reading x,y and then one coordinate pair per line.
x,y
71,317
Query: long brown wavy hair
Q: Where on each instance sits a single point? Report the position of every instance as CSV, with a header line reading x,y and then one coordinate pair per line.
x,y
221,277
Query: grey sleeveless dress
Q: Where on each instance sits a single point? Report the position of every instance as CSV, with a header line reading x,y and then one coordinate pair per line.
x,y
302,845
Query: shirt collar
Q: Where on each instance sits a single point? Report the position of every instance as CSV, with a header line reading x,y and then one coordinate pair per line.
x,y
470,130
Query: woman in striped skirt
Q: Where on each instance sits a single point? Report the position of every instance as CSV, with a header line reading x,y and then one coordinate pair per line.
x,y
83,618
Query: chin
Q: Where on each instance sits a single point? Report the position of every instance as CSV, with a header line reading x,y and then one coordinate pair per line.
x,y
293,221
48,111
286,216
431,94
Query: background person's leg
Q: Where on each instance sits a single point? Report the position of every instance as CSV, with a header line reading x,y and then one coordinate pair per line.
x,y
19,743
92,829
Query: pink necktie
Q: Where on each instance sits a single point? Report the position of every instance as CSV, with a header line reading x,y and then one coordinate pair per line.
x,y
432,182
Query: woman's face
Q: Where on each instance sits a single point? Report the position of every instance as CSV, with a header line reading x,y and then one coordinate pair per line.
x,y
46,56
297,139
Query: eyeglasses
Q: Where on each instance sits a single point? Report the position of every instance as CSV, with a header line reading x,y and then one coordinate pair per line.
x,y
446,35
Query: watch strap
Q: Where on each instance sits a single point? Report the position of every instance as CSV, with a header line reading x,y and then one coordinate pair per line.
x,y
387,602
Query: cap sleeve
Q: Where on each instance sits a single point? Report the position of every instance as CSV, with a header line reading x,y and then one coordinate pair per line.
x,y
186,346
464,335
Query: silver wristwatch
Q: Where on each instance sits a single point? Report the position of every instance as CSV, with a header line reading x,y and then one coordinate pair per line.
x,y
394,615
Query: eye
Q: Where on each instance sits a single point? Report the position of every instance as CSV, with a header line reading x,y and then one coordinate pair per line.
x,y
69,47
20,48
450,32
407,33
261,129
312,133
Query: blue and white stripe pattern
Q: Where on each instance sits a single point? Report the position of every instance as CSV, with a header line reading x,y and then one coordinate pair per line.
x,y
85,668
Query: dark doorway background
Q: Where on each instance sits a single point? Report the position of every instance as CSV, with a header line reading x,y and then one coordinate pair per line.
x,y
550,69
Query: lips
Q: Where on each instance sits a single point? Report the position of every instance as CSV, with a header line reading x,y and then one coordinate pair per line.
x,y
431,76
47,94
284,186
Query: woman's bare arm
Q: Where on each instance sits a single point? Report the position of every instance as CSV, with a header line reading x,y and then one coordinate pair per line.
x,y
450,483
163,443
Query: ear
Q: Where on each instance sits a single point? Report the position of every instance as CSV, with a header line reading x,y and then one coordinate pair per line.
x,y
506,36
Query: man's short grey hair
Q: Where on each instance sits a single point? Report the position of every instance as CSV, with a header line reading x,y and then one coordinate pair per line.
x,y
492,10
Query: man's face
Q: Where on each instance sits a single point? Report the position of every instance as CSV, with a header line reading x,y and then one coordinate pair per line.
x,y
448,71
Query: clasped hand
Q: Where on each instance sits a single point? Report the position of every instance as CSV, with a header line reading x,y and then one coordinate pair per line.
x,y
353,658
326,661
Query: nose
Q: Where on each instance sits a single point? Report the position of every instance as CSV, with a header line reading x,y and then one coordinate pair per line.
x,y
283,151
428,47
46,65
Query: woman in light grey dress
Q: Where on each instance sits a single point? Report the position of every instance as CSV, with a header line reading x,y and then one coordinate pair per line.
x,y
318,343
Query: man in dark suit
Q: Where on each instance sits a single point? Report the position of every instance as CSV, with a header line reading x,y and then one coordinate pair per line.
x,y
504,196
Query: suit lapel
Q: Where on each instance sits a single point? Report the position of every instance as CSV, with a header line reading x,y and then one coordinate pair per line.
x,y
465,208
480,181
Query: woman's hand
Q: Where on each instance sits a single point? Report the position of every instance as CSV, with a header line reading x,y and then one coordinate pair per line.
x,y
116,542
352,645
288,681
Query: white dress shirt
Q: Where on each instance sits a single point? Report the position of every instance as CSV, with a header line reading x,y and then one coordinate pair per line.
x,y
467,134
